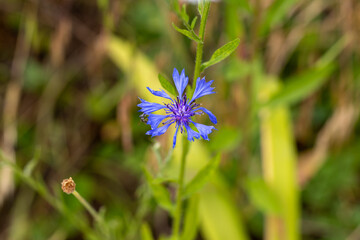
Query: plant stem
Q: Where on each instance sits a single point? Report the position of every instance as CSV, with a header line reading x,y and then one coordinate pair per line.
x,y
88,207
178,210
200,45
40,188
100,221
197,71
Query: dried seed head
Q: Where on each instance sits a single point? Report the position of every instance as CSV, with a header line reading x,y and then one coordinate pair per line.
x,y
68,185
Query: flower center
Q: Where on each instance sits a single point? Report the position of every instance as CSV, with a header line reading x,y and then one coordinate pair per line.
x,y
181,110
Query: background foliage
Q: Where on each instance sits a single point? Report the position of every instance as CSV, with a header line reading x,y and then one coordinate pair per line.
x,y
287,104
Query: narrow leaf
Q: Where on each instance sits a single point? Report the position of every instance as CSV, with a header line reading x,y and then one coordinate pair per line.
x,y
333,52
221,53
193,22
300,86
166,84
202,177
189,34
184,15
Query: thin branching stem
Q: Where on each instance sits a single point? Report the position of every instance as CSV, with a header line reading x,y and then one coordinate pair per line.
x,y
197,72
39,187
200,45
88,207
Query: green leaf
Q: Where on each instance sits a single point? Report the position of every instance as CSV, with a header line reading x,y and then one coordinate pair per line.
x,y
191,221
166,84
333,52
146,232
160,193
193,22
189,34
262,196
184,15
201,177
300,86
221,53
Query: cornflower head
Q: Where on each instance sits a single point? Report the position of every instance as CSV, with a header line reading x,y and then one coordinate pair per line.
x,y
179,111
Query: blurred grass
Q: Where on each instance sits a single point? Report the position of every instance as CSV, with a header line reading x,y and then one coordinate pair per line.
x,y
287,104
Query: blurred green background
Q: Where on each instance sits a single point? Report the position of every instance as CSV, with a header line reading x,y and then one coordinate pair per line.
x,y
287,102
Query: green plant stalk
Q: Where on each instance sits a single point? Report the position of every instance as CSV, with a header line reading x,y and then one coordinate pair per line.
x,y
88,207
199,53
200,45
178,209
43,192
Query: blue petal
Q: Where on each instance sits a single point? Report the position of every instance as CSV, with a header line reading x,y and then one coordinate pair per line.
x,y
181,81
202,88
210,114
174,139
158,131
155,119
148,107
161,93
204,130
191,134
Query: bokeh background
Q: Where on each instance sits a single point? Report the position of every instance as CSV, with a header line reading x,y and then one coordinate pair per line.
x,y
287,104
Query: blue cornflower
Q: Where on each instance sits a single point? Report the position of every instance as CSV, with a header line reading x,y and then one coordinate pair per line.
x,y
180,110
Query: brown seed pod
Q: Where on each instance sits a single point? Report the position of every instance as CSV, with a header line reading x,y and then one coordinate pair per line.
x,y
68,185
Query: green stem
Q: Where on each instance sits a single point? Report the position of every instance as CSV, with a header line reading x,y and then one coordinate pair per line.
x,y
40,188
88,207
102,224
200,45
178,210
197,71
